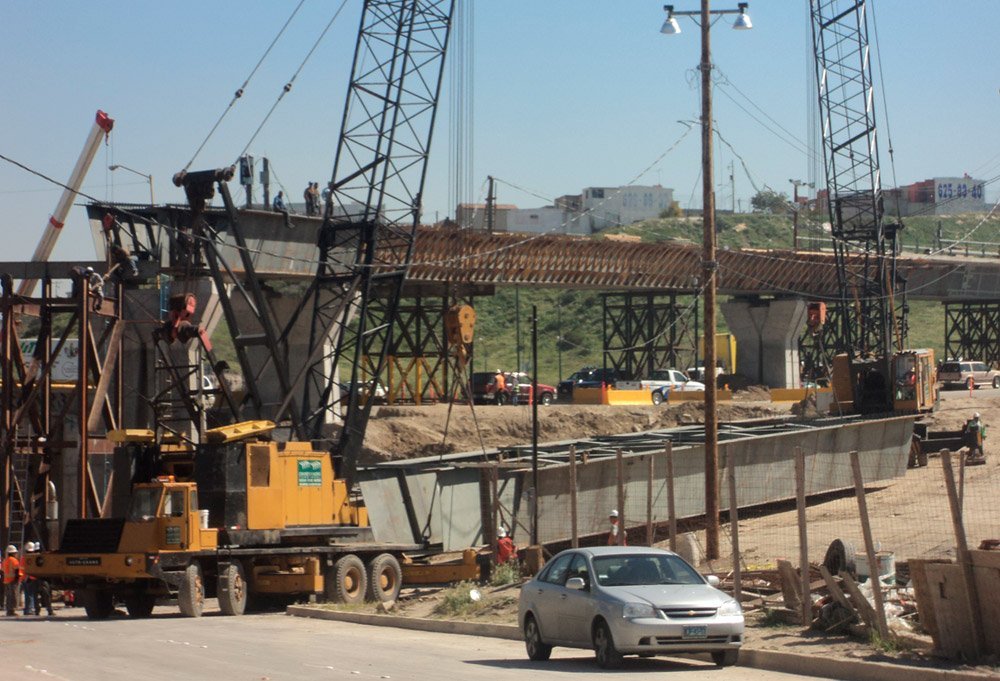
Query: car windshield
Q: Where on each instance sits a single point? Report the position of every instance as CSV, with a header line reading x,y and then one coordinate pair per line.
x,y
637,569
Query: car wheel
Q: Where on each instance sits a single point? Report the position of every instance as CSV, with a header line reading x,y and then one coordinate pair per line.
x,y
657,398
546,399
996,382
537,649
607,655
725,658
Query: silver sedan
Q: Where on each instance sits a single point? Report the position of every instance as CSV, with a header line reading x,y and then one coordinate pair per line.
x,y
628,600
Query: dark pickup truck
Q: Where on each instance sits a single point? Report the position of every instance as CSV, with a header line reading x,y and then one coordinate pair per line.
x,y
587,377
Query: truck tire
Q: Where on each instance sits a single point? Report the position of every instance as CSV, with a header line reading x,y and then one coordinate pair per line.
x,y
996,382
346,581
657,398
546,399
140,605
385,578
232,589
191,595
99,604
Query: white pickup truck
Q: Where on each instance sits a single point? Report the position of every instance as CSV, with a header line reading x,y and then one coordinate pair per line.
x,y
661,382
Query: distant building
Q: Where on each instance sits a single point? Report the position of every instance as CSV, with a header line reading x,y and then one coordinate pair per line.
x,y
610,206
594,209
939,196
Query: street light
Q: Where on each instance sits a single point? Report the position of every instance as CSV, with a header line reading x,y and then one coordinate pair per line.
x,y
149,178
795,213
670,27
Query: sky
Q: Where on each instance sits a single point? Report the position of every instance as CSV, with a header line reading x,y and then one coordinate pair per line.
x,y
565,94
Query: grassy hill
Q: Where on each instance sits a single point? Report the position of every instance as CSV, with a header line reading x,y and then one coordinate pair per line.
x,y
570,322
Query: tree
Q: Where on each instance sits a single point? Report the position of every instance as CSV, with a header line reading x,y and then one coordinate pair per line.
x,y
769,201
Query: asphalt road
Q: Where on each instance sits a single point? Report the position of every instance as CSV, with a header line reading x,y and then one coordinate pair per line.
x,y
276,647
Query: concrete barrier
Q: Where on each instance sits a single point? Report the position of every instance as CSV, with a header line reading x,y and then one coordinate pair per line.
x,y
629,397
588,396
676,396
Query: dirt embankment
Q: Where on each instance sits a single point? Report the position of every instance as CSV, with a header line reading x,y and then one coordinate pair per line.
x,y
409,432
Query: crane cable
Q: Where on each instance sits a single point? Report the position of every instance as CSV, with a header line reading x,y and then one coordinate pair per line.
x,y
288,86
239,92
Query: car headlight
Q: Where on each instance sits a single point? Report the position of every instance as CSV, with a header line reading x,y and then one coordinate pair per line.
x,y
729,608
637,610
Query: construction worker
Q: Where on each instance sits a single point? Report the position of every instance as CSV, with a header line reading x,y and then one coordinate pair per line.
x,y
973,433
43,590
95,283
506,550
500,387
11,577
616,537
29,583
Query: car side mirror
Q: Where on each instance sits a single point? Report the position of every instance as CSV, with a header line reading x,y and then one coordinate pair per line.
x,y
576,584
713,580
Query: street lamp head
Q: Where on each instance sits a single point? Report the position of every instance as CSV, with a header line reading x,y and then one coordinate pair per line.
x,y
743,22
670,25
114,167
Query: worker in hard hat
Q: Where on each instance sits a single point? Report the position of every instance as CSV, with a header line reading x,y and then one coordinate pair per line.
x,y
616,536
506,550
11,567
973,434
29,583
43,590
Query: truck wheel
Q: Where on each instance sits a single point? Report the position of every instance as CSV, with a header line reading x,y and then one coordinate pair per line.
x,y
385,578
546,399
191,595
349,583
140,605
657,398
996,382
98,603
232,589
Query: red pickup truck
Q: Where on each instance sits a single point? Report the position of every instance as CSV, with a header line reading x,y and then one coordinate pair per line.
x,y
484,389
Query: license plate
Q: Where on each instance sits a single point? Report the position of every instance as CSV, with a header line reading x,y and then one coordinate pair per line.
x,y
695,632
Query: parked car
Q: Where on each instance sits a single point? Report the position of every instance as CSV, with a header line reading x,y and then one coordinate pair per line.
x,y
546,393
628,600
484,389
662,381
587,377
967,374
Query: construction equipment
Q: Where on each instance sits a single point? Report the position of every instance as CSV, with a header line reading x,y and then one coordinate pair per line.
x,y
872,300
244,501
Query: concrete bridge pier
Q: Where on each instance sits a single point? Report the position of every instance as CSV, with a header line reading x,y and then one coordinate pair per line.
x,y
767,339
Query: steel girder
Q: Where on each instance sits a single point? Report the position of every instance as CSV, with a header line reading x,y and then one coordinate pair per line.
x,y
972,330
644,332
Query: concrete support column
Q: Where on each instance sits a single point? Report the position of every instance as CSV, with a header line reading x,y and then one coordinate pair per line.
x,y
767,339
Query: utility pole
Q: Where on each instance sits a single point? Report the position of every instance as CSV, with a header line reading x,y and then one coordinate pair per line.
x,y
795,210
265,180
709,265
491,200
534,421
732,184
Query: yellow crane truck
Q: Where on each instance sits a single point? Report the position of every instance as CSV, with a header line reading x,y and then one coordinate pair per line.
x,y
244,519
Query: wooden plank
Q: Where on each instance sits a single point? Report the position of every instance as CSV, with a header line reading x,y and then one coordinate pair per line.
x,y
671,501
734,527
986,571
790,588
881,625
956,637
835,591
861,603
650,473
963,554
922,591
800,506
574,531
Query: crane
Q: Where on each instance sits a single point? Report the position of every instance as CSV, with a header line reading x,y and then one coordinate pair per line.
x,y
871,292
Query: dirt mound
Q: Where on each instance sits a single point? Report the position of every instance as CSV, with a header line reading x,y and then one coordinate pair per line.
x,y
405,432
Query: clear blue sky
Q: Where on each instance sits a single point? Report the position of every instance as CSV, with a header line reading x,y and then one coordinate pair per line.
x,y
568,94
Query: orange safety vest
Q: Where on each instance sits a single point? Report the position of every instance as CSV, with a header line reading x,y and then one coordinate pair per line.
x,y
505,549
11,569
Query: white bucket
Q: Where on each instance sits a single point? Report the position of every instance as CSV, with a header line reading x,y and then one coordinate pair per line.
x,y
886,561
203,517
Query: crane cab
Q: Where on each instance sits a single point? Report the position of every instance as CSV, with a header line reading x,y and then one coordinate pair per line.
x,y
163,515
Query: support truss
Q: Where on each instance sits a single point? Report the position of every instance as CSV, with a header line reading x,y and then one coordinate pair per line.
x,y
644,332
972,331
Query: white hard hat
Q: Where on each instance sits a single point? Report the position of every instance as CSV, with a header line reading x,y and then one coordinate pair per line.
x,y
29,546
11,548
614,513
976,415
502,532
